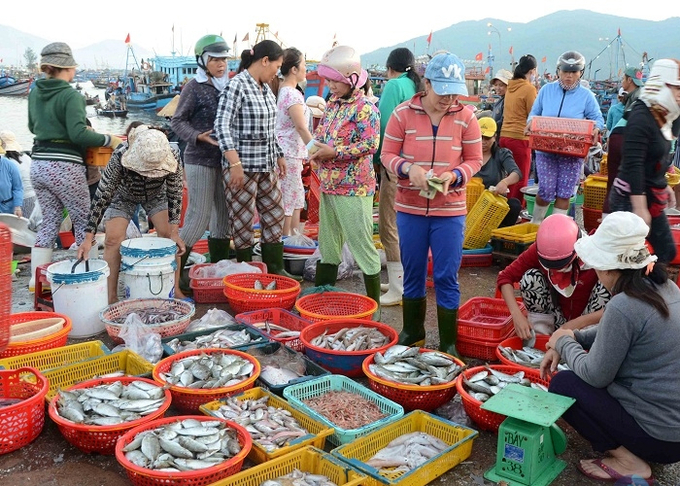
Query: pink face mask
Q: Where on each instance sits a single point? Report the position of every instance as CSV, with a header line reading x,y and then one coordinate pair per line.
x,y
564,279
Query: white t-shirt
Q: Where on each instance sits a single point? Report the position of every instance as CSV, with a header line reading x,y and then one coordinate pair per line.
x,y
25,171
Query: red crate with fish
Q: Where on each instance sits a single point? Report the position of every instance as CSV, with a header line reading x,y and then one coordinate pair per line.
x,y
209,290
342,345
515,343
253,291
277,324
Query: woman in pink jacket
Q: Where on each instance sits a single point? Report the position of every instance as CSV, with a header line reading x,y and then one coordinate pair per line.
x,y
432,135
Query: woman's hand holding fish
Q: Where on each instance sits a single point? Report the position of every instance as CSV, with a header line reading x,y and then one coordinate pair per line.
x,y
552,342
549,363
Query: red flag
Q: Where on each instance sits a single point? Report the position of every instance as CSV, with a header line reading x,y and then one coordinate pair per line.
x,y
487,70
127,39
429,38
246,38
510,50
479,56
544,59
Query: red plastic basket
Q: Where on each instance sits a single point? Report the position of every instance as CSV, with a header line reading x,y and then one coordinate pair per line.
x,y
515,342
211,290
411,397
590,218
473,348
52,341
201,247
565,136
485,319
313,198
188,400
6,248
22,422
243,297
347,363
484,419
326,306
278,317
101,439
140,476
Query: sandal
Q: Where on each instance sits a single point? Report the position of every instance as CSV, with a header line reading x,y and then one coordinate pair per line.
x,y
614,476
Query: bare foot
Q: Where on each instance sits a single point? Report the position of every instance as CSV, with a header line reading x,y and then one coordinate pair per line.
x,y
623,467
179,294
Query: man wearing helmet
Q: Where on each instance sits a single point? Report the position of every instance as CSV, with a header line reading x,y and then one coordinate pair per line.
x,y
558,175
556,290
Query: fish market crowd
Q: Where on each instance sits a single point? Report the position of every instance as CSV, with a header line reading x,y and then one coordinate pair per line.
x,y
306,386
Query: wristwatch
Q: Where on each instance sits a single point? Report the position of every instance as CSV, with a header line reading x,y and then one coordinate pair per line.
x,y
407,169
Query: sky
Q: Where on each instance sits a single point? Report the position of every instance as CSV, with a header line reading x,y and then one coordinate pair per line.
x,y
309,26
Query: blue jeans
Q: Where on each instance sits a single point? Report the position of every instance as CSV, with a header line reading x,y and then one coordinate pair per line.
x,y
444,235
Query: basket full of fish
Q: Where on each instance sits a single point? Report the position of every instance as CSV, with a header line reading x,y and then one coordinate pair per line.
x,y
513,352
183,451
476,385
274,425
411,451
253,291
233,336
200,376
416,378
277,325
341,345
167,317
94,414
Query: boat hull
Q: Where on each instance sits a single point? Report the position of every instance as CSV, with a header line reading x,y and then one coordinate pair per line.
x,y
20,88
142,102
113,113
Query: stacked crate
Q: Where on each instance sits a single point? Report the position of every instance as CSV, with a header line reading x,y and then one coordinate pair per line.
x,y
594,194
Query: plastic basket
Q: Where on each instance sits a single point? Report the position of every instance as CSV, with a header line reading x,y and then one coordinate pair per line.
x,y
411,397
347,363
101,439
515,342
201,247
52,341
308,459
485,319
54,358
673,176
256,337
22,422
457,437
484,419
126,361
478,259
297,393
6,275
313,198
317,431
521,233
278,317
473,189
487,213
190,399
590,218
479,349
594,192
565,136
603,166
211,290
98,156
140,476
242,297
326,306
312,370
170,328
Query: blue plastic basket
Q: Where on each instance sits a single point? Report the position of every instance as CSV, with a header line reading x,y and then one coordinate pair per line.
x,y
295,395
190,336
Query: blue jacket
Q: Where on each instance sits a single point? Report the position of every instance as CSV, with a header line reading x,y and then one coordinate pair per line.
x,y
11,187
577,103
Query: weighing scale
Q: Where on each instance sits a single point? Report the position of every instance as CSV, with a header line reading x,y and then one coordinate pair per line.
x,y
528,440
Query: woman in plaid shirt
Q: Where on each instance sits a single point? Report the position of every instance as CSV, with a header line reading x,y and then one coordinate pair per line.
x,y
245,122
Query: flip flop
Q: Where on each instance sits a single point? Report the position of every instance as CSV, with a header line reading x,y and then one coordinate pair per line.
x,y
614,476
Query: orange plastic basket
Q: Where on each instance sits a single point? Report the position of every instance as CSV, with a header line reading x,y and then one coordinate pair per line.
x,y
22,422
515,342
411,397
52,341
335,305
479,348
211,290
484,419
6,248
590,218
243,297
101,439
485,319
278,317
564,136
140,476
188,400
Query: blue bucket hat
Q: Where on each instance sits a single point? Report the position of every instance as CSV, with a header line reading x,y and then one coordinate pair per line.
x,y
446,74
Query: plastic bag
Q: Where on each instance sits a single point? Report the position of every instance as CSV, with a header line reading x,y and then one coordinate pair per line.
x,y
300,240
212,319
140,339
455,412
345,269
225,267
132,231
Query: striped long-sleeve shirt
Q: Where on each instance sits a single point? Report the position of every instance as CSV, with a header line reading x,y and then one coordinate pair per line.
x,y
245,122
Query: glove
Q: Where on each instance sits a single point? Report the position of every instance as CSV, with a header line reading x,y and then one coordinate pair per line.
x,y
115,141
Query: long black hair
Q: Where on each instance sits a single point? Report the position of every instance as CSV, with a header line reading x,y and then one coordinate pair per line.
x,y
526,63
637,285
14,155
265,48
292,57
401,60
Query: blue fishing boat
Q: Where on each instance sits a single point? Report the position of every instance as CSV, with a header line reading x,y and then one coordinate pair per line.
x,y
145,88
10,86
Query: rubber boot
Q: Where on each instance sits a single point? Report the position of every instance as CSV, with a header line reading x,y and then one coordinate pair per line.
x,y
372,283
395,274
39,256
326,274
413,329
184,280
447,320
244,254
272,255
539,214
219,249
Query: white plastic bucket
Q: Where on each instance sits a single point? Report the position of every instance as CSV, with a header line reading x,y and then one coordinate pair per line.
x,y
150,282
80,295
137,253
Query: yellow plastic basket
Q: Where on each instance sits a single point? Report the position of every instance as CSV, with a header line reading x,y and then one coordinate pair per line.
x,y
486,215
308,459
673,176
458,438
594,192
473,189
603,166
126,361
317,431
520,233
54,358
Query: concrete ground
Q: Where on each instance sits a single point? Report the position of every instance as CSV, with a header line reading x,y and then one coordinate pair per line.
x,y
51,461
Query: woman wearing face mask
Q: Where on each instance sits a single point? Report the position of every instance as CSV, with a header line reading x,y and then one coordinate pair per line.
x,y
519,98
245,129
558,175
193,122
640,185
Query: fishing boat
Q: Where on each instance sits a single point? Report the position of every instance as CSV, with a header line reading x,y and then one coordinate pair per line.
x,y
91,100
112,113
10,86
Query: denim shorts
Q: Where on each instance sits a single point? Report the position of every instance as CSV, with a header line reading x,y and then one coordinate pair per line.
x,y
124,208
